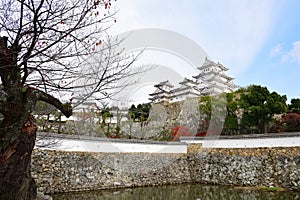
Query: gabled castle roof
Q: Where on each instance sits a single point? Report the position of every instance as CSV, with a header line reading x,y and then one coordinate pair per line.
x,y
186,80
164,83
208,63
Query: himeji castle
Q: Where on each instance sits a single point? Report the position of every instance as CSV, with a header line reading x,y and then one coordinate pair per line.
x,y
210,81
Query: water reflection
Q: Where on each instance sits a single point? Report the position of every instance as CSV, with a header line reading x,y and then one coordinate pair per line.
x,y
180,192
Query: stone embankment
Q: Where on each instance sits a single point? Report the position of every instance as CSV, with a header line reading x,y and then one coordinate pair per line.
x,y
62,171
269,167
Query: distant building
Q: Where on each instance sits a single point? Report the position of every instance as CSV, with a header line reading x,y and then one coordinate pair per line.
x,y
211,80
163,92
83,106
120,114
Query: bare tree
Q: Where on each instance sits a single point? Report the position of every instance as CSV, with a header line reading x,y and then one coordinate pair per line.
x,y
48,48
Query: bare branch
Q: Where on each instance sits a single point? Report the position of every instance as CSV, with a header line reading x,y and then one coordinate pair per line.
x,y
62,48
66,108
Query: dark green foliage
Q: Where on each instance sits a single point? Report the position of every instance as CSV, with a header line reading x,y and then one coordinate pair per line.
x,y
250,110
139,113
294,107
231,120
259,107
230,125
205,106
105,115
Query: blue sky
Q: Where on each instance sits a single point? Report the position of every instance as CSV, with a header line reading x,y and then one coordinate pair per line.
x,y
258,40
277,63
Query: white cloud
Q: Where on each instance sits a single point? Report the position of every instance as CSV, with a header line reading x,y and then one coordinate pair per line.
x,y
231,32
277,50
294,54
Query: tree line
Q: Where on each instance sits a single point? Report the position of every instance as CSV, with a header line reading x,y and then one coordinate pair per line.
x,y
249,110
254,110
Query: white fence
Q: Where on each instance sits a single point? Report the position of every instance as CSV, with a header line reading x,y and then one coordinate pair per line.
x,y
247,141
94,144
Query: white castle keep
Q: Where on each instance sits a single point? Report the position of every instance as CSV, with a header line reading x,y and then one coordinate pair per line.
x,y
211,80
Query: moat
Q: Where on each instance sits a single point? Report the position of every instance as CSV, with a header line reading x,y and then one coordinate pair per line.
x,y
181,192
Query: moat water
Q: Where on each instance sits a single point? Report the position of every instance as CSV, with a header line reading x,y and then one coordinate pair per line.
x,y
181,192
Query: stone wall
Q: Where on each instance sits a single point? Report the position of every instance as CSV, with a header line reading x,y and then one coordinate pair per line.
x,y
270,167
59,171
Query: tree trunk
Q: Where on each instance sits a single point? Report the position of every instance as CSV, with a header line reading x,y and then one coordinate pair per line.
x,y
15,164
17,128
